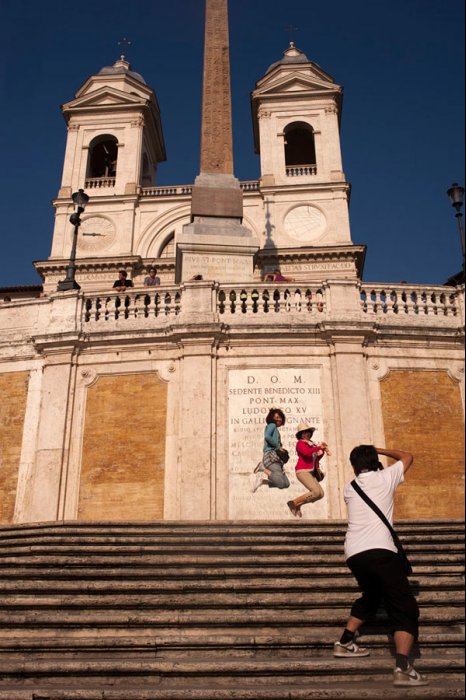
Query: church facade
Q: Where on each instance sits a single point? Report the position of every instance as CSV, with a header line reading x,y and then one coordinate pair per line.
x,y
150,404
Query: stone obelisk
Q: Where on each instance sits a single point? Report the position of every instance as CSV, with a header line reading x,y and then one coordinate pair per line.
x,y
216,245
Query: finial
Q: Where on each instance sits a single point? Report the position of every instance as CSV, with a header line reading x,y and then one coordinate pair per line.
x,y
124,43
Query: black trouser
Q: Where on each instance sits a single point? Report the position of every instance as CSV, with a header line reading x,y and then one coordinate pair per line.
x,y
381,577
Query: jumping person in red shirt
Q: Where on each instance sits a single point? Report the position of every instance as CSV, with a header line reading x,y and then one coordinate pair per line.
x,y
309,456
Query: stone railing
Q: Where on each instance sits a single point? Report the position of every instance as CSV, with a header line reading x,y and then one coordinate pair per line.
x,y
408,300
99,182
252,186
300,170
400,305
134,304
175,191
184,190
238,300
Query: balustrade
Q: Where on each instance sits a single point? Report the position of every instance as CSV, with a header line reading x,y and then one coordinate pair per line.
x,y
299,170
269,300
183,190
99,182
132,305
437,301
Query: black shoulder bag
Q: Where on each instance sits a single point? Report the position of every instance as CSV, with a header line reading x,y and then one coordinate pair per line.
x,y
401,552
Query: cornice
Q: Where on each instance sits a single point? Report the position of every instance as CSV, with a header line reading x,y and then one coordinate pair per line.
x,y
93,264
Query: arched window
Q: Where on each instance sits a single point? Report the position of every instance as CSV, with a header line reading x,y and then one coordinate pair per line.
x,y
103,156
300,147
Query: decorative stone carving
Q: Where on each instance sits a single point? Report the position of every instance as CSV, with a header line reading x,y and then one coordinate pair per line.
x,y
139,121
88,376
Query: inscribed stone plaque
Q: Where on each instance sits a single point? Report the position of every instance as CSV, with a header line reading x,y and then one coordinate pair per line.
x,y
251,394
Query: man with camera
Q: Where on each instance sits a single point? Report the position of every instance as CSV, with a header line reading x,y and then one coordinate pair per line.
x,y
374,559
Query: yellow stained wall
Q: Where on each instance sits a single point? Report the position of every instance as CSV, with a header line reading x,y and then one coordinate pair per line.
x,y
422,413
13,390
123,459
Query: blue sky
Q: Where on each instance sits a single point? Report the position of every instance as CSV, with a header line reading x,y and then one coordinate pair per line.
x,y
401,63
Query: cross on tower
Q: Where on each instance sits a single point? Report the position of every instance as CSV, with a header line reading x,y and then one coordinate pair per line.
x,y
124,43
291,29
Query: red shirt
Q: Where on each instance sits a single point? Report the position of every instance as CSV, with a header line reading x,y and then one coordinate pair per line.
x,y
309,456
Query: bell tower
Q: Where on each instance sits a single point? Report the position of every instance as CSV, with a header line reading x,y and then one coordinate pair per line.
x,y
114,144
296,110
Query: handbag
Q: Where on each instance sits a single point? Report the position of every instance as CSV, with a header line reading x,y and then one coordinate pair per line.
x,y
318,474
283,455
401,552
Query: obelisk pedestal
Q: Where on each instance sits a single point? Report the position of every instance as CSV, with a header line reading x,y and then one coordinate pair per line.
x,y
216,245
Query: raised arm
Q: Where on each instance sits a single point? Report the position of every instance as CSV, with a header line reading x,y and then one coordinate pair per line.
x,y
398,455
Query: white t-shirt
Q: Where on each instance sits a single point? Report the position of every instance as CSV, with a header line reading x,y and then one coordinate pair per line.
x,y
365,529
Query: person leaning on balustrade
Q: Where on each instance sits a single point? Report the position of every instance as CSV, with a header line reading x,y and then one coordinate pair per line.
x,y
122,283
152,280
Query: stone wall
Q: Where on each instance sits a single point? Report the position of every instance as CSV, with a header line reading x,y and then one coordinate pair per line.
x,y
422,413
13,390
123,459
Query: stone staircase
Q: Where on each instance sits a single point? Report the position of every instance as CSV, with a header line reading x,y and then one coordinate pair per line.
x,y
212,610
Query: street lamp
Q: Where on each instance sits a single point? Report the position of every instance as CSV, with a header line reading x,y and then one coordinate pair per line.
x,y
456,194
80,199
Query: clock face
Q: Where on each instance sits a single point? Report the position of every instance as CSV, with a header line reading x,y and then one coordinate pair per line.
x,y
305,223
95,233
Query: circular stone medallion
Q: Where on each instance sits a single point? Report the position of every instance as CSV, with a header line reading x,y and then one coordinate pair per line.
x,y
95,233
305,223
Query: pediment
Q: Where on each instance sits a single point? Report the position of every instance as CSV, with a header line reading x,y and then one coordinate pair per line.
x,y
292,83
105,97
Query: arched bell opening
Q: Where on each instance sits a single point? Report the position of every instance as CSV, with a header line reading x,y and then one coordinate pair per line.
x,y
102,161
300,150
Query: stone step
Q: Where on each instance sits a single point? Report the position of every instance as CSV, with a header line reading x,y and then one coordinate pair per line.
x,y
150,539
450,687
204,556
170,673
47,571
237,550
213,584
171,668
432,639
208,618
206,600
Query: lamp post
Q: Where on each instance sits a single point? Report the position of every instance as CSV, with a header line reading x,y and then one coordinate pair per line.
x,y
80,199
456,194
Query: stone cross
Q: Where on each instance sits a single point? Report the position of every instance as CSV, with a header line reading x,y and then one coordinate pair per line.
x,y
216,137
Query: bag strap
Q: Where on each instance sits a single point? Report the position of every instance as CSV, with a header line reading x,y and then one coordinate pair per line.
x,y
378,512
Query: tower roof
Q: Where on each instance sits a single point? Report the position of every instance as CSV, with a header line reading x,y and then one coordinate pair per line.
x,y
291,55
121,67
